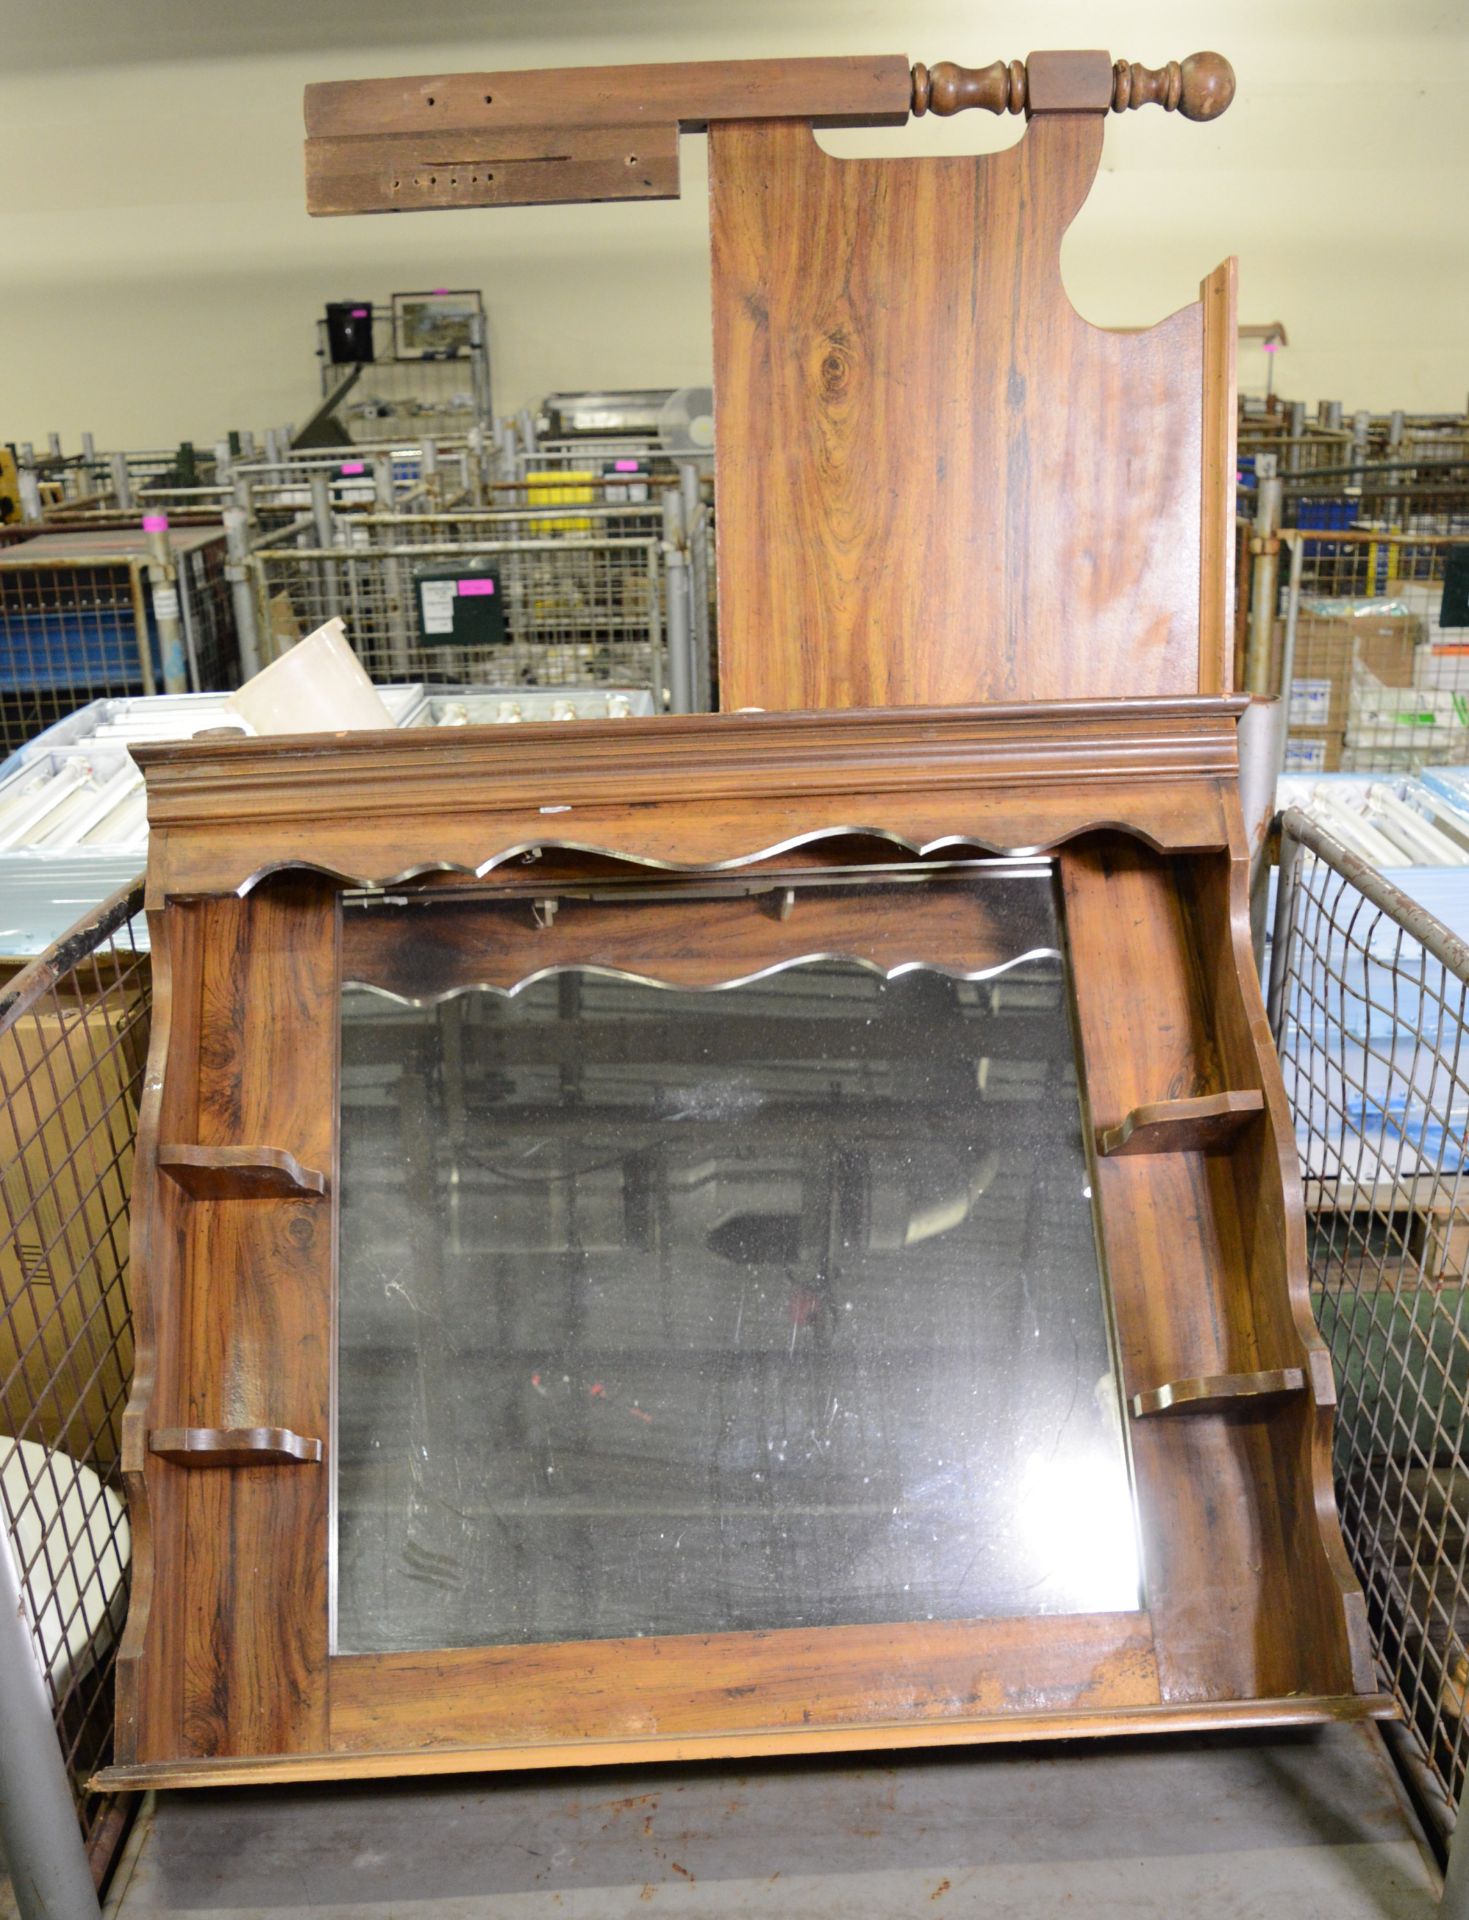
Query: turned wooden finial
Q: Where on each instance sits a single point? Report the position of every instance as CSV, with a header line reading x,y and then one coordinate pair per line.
x,y
1199,88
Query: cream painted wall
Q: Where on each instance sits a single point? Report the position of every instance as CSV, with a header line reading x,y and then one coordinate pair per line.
x,y
159,277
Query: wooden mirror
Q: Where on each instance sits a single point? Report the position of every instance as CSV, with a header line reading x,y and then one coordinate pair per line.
x,y
728,1235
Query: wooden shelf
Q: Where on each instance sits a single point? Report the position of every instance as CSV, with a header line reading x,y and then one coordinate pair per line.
x,y
240,1173
234,1447
1202,1125
1217,1392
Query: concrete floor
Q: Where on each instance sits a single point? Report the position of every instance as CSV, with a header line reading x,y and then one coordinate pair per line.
x,y
1303,1824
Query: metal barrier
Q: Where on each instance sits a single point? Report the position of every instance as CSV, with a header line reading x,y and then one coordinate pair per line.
x,y
588,593
81,623
1369,1004
73,1042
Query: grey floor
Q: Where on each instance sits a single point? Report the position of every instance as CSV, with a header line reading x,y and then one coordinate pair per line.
x,y
1302,1824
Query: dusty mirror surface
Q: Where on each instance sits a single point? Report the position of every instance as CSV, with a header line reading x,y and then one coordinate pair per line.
x,y
771,1303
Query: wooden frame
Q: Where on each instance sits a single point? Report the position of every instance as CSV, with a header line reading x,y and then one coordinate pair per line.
x,y
1252,1615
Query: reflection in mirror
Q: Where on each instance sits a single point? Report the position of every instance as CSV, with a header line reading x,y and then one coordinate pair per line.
x,y
683,1311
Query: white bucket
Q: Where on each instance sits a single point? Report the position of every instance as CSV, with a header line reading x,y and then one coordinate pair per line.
x,y
319,686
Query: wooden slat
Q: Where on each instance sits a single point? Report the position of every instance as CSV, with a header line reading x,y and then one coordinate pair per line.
x,y
843,91
1296,1710
411,172
934,483
690,1683
1218,435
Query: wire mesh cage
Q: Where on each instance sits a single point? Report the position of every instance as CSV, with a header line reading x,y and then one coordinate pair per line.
x,y
73,1042
77,623
1369,1003
554,595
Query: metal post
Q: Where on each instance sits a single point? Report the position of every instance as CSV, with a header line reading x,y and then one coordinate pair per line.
x,y
1328,414
122,483
676,563
163,570
272,447
29,484
247,443
1361,438
1285,887
1288,643
1265,547
1397,421
1454,1904
474,466
89,449
480,368
40,1838
326,536
428,467
396,612
237,572
53,440
688,486
527,427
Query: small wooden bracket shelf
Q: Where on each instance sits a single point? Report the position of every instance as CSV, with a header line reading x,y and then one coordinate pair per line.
x,y
1217,1392
1203,1125
240,1173
234,1447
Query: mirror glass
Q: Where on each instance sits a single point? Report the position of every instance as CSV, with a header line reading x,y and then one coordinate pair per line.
x,y
673,1309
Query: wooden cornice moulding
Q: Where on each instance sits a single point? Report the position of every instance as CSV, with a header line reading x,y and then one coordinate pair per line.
x,y
1001,779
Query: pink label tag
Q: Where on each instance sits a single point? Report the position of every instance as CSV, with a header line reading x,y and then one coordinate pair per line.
x,y
476,586
625,466
360,313
441,293
353,466
155,523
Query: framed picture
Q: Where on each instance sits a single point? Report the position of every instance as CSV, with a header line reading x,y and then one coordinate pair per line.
x,y
436,325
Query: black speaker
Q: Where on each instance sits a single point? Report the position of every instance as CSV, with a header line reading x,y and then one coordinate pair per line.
x,y
349,331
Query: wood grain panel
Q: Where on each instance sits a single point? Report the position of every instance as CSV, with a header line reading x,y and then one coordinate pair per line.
x,y
415,172
841,90
934,479
632,1689
252,1629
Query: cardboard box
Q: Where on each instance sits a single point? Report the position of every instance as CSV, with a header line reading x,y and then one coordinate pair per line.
x,y
1314,750
1331,647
